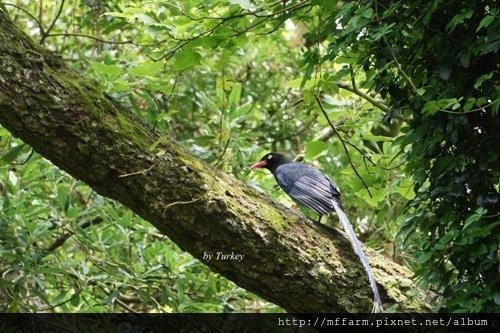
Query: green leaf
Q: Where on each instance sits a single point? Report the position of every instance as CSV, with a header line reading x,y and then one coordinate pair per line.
x,y
315,148
145,18
117,25
60,298
486,21
219,89
118,14
368,13
430,108
469,104
147,68
405,188
234,96
384,30
424,256
481,79
377,196
186,58
113,70
120,85
241,111
245,4
12,154
62,197
420,91
474,217
297,83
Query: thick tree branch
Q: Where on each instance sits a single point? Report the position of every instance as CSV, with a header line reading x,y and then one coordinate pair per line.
x,y
298,265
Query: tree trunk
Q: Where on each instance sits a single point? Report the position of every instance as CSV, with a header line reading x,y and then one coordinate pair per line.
x,y
287,259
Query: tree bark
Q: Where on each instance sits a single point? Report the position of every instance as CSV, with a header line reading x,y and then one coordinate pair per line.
x,y
288,260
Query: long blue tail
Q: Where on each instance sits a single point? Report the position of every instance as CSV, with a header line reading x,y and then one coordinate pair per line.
x,y
377,303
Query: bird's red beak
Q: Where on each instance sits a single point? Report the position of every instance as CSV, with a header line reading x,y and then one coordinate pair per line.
x,y
259,164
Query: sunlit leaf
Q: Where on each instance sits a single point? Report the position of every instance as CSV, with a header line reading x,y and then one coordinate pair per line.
x,y
186,58
315,148
147,68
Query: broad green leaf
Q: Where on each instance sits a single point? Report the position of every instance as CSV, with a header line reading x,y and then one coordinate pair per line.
x,y
474,217
297,83
377,196
486,21
62,197
315,148
219,90
430,108
117,25
234,96
61,297
405,188
481,79
368,13
145,18
112,70
241,110
147,68
186,58
120,85
13,153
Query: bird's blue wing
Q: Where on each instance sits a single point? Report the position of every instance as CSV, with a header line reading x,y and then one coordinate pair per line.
x,y
308,186
312,194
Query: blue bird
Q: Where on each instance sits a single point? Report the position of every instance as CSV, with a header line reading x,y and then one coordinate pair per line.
x,y
309,187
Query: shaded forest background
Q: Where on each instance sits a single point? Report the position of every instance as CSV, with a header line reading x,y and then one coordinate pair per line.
x,y
397,101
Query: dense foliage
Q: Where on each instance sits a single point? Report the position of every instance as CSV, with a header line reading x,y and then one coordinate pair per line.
x,y
396,100
437,64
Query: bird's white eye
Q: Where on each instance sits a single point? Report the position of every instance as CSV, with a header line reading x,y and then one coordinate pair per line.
x,y
269,157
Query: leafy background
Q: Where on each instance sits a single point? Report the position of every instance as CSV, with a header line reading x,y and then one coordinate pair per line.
x,y
396,100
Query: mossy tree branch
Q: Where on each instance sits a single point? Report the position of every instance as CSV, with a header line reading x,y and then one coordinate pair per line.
x,y
298,265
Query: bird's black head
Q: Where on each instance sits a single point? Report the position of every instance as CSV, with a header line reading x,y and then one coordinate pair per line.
x,y
271,161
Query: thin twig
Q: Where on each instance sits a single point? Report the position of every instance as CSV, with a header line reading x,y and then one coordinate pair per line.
x,y
361,152
125,306
297,132
224,20
180,203
361,94
140,172
353,82
343,144
169,54
79,291
44,36
224,150
74,34
325,137
66,235
26,160
42,31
